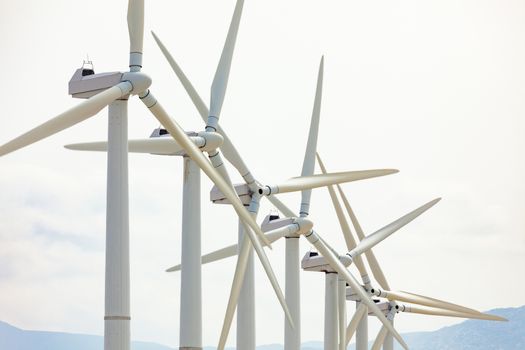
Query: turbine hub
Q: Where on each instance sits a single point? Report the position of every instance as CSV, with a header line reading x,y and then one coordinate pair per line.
x,y
140,81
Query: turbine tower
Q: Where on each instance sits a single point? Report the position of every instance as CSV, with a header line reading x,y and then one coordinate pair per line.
x,y
112,90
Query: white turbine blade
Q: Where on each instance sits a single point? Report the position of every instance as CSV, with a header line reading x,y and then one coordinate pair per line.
x,y
389,229
232,250
212,257
449,313
136,31
196,99
426,301
349,278
380,339
227,148
370,256
72,116
238,279
220,81
311,145
320,180
349,237
154,145
352,326
97,146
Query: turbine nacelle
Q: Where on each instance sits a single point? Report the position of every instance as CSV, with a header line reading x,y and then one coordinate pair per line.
x,y
351,295
273,222
384,306
85,83
313,261
206,141
243,192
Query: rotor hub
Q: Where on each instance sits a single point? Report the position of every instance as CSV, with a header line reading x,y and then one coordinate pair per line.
x,y
140,81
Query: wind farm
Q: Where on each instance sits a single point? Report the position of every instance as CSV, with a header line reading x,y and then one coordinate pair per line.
x,y
210,153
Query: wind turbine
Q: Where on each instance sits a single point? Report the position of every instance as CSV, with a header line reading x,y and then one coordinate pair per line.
x,y
110,90
335,288
362,335
246,315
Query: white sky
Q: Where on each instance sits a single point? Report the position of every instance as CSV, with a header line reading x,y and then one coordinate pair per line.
x,y
433,88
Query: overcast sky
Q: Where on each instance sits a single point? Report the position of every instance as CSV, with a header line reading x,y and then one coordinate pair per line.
x,y
432,88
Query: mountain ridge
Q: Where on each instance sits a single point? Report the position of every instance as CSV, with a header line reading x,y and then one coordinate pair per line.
x,y
468,335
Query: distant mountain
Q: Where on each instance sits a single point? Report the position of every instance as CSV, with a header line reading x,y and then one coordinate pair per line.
x,y
468,335
475,334
12,338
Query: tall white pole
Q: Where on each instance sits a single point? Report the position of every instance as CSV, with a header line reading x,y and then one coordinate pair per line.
x,y
191,293
292,336
341,308
330,312
388,344
361,333
246,302
117,305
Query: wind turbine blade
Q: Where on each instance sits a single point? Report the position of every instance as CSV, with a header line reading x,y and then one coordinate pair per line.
x,y
380,339
72,116
196,99
227,148
238,279
349,278
389,229
439,303
220,81
370,256
426,301
311,145
232,250
154,145
136,32
352,326
212,257
196,155
320,180
349,237
98,146
449,313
